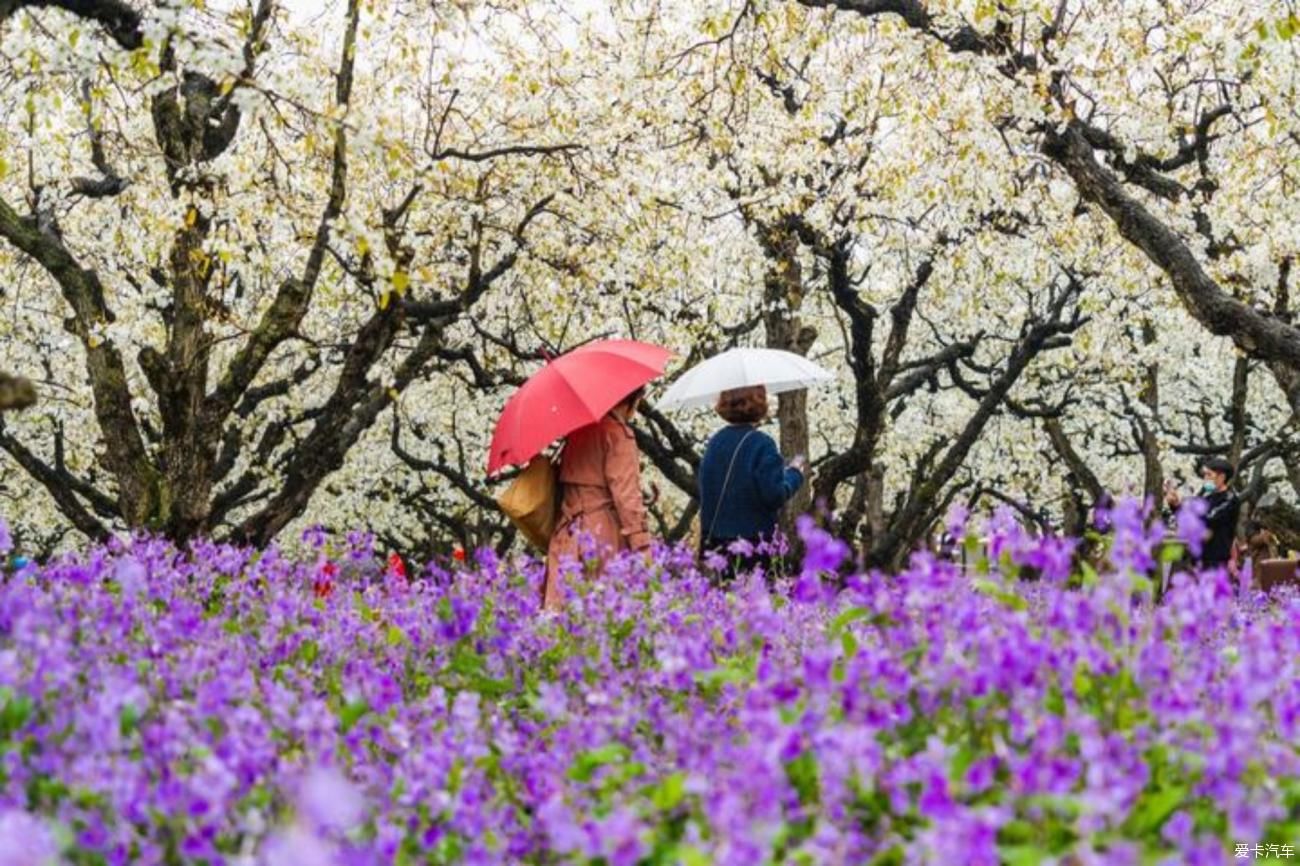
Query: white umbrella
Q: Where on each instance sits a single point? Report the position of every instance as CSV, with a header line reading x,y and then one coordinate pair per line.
x,y
778,371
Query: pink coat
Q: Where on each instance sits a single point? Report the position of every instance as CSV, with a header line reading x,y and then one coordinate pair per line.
x,y
600,470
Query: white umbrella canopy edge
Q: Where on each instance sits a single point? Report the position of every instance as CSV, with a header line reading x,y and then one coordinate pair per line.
x,y
777,370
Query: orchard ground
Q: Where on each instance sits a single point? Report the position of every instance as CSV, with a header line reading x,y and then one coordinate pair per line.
x,y
227,705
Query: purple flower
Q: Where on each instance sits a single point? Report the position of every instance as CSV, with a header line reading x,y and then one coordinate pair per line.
x,y
982,774
1004,532
297,846
315,536
552,700
956,520
26,840
808,587
131,576
566,834
1134,537
741,547
1179,830
822,551
619,838
329,801
1051,555
1191,525
446,716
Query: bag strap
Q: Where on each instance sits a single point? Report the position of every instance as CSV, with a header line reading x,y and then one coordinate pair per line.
x,y
725,482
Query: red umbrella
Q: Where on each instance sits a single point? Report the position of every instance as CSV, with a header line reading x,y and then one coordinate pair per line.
x,y
571,391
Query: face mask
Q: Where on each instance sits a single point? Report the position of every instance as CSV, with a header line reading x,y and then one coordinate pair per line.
x,y
1208,487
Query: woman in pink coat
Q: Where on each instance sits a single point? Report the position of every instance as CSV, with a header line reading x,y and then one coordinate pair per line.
x,y
600,477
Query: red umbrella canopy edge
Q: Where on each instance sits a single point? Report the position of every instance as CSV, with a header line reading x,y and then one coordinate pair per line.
x,y
570,392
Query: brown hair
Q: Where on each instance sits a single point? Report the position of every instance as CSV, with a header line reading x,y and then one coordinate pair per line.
x,y
638,394
743,405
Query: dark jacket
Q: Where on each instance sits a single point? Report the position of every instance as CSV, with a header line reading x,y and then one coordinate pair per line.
x,y
760,484
1222,508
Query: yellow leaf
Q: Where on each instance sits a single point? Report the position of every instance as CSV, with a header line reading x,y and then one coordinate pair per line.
x,y
383,300
191,216
401,279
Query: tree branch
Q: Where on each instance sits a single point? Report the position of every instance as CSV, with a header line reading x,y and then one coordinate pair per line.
x,y
1254,332
119,20
59,486
282,318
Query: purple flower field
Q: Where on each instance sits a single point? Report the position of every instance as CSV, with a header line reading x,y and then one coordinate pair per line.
x,y
219,705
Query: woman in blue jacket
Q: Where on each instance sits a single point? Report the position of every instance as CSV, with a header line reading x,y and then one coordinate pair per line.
x,y
744,482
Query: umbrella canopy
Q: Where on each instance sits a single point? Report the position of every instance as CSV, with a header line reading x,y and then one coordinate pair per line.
x,y
571,391
777,370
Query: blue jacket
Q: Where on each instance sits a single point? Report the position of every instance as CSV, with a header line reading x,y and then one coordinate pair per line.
x,y
760,484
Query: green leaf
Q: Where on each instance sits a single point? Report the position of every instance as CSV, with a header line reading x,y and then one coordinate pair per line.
x,y
45,793
689,855
1021,855
669,793
128,719
1016,834
1006,597
308,652
1054,703
1088,575
17,710
733,671
455,775
588,762
490,687
1153,807
847,618
622,630
802,773
1082,682
961,764
893,856
352,713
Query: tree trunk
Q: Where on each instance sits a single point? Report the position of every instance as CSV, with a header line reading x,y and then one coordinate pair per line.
x,y
783,293
1237,413
1153,472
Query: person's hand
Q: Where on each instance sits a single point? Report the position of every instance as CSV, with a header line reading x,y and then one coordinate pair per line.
x,y
799,462
1171,497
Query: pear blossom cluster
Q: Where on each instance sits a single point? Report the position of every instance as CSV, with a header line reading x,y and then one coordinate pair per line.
x,y
645,229
224,705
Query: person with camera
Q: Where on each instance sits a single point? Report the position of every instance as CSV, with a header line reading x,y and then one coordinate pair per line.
x,y
1219,515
